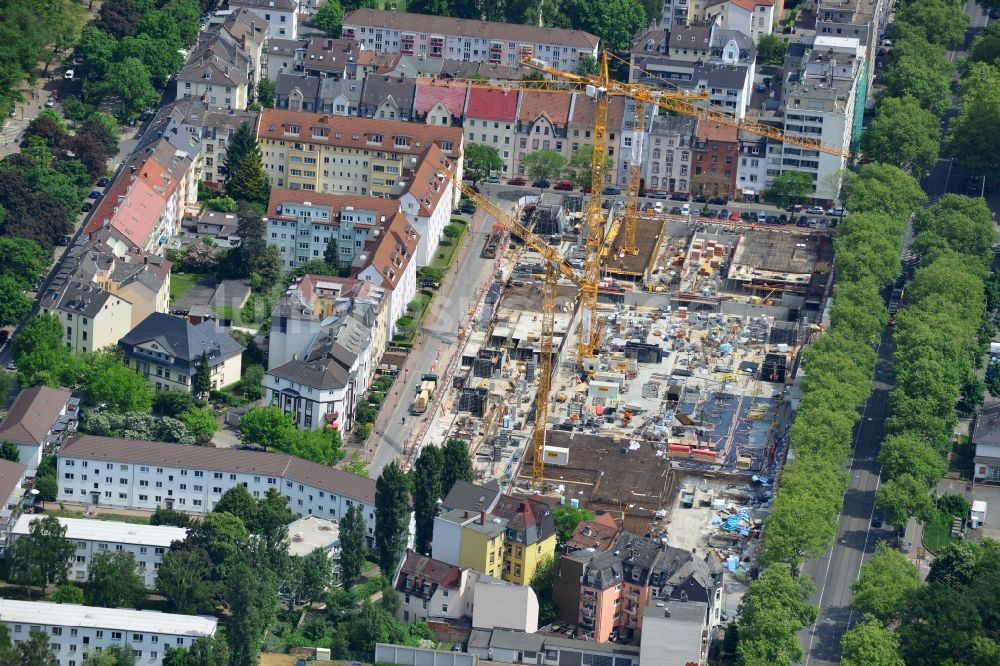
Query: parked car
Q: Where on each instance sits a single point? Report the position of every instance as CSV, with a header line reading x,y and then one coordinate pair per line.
x,y
815,210
680,197
611,191
540,183
803,221
87,207
658,195
752,216
517,181
718,201
11,365
94,194
877,521
676,210
565,185
586,189
493,179
782,219
69,75
735,216
686,209
839,211
103,182
49,103
771,219
723,214
658,206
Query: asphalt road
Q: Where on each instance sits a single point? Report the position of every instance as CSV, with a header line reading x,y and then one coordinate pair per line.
x,y
856,538
436,344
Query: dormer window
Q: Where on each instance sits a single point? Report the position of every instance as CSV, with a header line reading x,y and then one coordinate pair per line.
x,y
292,129
320,132
401,141
375,138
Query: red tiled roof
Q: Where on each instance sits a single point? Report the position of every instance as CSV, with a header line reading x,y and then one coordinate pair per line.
x,y
394,250
427,96
711,131
598,533
492,104
553,105
427,186
134,203
420,571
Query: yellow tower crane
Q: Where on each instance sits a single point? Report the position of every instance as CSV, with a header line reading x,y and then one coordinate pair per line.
x,y
555,267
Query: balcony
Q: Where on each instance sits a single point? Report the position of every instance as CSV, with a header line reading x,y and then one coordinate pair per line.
x,y
587,612
589,594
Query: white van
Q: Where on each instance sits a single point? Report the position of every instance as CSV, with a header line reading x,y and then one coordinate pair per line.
x,y
686,209
658,207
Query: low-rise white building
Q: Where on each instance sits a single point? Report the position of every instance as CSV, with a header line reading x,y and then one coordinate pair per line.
x,y
427,204
147,543
40,417
11,495
136,474
74,630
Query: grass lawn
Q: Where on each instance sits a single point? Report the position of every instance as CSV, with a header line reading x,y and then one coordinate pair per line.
x,y
445,255
181,283
937,532
51,509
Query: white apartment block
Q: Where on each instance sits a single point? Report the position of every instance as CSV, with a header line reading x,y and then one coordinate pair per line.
x,y
74,630
465,39
281,15
135,474
821,101
147,543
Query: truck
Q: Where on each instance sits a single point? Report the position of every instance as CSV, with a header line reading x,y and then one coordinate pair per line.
x,y
425,391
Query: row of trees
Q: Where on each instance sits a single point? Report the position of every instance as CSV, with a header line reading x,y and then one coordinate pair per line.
x,y
22,261
838,379
939,342
435,472
270,427
33,33
133,48
546,164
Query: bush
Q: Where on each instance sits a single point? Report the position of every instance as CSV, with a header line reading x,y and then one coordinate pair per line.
x,y
954,505
404,322
363,431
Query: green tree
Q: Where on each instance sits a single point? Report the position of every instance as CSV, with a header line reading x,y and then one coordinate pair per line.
x,y
771,49
885,584
204,651
273,517
954,566
870,644
940,623
22,259
42,557
242,143
773,610
457,464
47,487
886,189
331,255
579,169
567,518
541,582
909,453
113,581
252,597
986,46
353,545
391,517
121,390
315,575
940,22
113,655
9,451
40,352
980,105
35,651
481,161
266,90
792,187
185,579
920,69
201,423
172,403
545,164
903,497
239,502
329,18
129,82
903,134
615,22
224,537
249,182
68,593
426,493
163,516
265,426
202,380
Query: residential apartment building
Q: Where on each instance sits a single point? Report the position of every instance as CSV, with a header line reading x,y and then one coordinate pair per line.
x,y
281,15
751,172
391,263
321,386
218,72
823,100
491,120
542,123
605,592
135,474
466,39
39,420
388,97
327,58
319,153
440,104
212,127
427,203
754,18
280,57
310,301
676,633
146,543
92,317
318,95
509,540
675,13
715,154
435,591
75,630
167,351
302,224
668,164
863,20
12,497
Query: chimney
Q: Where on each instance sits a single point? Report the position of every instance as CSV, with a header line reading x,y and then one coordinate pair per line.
x,y
482,517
